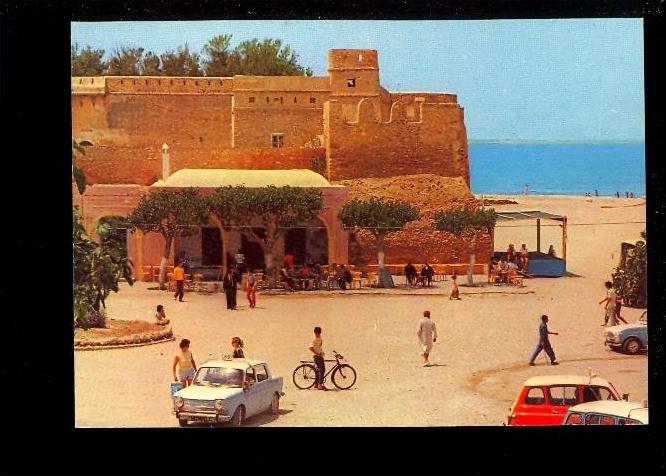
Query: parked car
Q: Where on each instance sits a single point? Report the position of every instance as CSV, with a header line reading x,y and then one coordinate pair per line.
x,y
608,413
631,338
544,400
229,390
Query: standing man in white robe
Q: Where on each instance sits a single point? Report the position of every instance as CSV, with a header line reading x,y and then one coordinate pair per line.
x,y
427,334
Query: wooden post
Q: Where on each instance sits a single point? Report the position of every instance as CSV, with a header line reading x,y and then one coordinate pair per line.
x,y
538,235
564,238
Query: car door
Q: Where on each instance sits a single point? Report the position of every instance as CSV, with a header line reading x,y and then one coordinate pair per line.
x,y
251,393
264,387
533,408
560,398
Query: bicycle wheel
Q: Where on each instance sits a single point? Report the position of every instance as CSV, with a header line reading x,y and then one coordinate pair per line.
x,y
304,376
344,377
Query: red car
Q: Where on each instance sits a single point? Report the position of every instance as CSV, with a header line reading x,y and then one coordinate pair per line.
x,y
544,400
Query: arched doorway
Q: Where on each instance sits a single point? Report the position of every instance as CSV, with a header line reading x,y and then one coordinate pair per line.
x,y
308,242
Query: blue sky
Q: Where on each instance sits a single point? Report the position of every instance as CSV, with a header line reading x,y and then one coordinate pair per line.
x,y
518,80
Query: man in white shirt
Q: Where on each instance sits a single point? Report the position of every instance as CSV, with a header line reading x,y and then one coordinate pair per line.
x,y
317,350
427,334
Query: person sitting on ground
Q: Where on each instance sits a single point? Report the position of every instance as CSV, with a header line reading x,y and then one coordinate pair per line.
x,y
160,316
237,345
551,251
455,292
410,273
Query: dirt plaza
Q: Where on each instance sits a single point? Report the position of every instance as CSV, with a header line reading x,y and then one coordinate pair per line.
x,y
485,341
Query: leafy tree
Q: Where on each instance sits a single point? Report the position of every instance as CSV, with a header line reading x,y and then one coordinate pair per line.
x,y
217,56
630,277
87,62
97,269
380,217
182,62
170,213
125,62
273,209
466,223
253,57
268,58
150,66
78,174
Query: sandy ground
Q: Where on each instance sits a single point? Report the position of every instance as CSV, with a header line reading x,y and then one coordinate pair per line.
x,y
481,356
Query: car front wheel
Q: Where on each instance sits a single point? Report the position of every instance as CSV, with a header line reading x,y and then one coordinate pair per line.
x,y
238,417
632,346
275,404
182,422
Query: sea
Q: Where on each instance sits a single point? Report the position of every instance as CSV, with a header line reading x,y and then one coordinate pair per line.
x,y
558,168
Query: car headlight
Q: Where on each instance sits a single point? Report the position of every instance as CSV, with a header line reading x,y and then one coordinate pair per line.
x,y
179,402
219,405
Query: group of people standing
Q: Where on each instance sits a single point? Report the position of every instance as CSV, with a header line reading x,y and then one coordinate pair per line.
x,y
613,305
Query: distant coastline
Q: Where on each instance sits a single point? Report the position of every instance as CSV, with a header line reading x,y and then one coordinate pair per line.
x,y
605,168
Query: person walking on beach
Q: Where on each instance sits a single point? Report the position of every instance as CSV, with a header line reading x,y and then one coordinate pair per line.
x,y
455,292
184,360
523,258
317,349
426,331
251,289
230,288
611,305
544,342
237,345
179,277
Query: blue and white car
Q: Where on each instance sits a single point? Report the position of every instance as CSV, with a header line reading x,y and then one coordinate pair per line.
x,y
631,338
228,390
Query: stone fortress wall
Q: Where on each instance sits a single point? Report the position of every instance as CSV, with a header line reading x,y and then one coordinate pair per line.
x,y
360,129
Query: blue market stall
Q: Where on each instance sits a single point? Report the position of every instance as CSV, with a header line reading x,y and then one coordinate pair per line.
x,y
540,264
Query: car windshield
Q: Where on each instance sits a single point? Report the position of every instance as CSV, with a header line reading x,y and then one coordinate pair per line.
x,y
218,376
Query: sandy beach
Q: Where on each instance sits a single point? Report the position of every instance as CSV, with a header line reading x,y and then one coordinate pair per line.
x,y
481,356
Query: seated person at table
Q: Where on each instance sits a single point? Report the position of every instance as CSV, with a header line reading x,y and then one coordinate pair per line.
x,y
510,265
427,272
316,274
284,277
304,275
343,276
410,273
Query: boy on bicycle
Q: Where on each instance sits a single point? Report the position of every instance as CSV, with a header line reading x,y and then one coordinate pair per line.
x,y
316,349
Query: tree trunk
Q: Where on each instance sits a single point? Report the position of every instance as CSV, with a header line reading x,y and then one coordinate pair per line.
x,y
165,259
272,236
472,261
385,279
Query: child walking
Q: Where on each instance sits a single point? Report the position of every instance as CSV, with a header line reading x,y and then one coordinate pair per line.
x,y
455,293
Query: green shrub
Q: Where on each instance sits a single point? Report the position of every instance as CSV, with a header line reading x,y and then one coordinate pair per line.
x,y
630,277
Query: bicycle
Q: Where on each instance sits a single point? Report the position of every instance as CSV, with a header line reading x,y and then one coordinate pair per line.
x,y
342,375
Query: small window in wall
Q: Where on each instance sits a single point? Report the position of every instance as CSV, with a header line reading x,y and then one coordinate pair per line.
x,y
360,57
277,140
351,83
268,99
251,99
312,100
276,99
294,99
281,100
